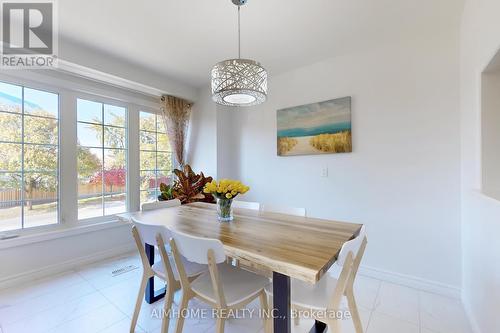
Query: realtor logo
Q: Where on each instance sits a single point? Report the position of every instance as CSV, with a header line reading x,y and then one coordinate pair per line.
x,y
28,34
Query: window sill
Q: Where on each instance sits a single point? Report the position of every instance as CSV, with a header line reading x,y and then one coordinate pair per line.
x,y
60,232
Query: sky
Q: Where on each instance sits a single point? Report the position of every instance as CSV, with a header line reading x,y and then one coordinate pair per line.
x,y
316,114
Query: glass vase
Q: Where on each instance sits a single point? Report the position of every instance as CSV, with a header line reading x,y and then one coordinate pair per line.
x,y
224,209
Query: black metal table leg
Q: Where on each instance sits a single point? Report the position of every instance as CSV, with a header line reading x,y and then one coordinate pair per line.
x,y
151,295
281,298
318,327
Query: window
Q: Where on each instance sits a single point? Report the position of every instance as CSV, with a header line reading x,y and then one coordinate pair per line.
x,y
155,156
102,156
29,157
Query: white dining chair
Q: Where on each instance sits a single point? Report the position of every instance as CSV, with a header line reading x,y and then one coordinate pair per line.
x,y
334,289
160,204
164,269
283,210
246,204
224,287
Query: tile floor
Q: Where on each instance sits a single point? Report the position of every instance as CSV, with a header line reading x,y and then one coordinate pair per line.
x,y
91,300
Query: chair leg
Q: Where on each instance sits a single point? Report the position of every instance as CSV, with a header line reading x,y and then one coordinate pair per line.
x,y
219,326
265,311
138,303
169,299
180,320
334,326
353,308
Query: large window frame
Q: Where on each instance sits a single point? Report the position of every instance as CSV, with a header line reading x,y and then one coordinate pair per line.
x,y
24,143
104,147
160,173
69,88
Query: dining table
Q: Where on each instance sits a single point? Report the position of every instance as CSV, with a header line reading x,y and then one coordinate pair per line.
x,y
290,247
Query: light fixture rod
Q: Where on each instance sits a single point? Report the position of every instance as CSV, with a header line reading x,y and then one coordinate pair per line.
x,y
239,34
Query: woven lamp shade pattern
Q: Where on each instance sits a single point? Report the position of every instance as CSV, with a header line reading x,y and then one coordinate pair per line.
x,y
239,82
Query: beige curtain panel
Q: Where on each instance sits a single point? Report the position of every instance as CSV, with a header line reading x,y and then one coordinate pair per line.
x,y
176,114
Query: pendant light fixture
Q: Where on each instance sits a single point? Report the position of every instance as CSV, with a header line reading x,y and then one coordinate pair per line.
x,y
239,82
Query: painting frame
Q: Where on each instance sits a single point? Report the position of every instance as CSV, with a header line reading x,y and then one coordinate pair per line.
x,y
315,129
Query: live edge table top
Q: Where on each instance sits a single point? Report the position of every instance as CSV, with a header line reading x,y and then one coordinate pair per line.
x,y
303,248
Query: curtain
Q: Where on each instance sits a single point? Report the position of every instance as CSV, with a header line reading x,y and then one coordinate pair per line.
x,y
176,113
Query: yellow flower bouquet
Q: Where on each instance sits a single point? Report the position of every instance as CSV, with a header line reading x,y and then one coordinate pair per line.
x,y
224,192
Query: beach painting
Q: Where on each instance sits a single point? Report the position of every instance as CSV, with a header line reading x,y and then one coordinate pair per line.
x,y
317,128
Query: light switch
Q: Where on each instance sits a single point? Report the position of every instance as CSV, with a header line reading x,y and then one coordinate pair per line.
x,y
324,172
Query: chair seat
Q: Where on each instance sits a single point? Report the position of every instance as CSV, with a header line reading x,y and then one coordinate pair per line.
x,y
238,284
191,268
313,296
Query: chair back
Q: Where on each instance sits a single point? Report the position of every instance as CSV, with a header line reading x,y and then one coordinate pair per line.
x,y
353,246
283,210
195,249
343,282
160,204
246,204
147,232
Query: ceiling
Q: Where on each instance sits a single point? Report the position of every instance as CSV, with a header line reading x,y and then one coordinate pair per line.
x,y
183,39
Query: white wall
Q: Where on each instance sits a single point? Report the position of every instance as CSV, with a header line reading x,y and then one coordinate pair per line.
x,y
88,57
35,260
202,150
480,40
402,180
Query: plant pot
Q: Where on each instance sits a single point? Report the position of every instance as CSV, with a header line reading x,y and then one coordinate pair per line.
x,y
224,209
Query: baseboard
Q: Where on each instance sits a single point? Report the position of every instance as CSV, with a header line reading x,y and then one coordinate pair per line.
x,y
470,316
411,281
12,280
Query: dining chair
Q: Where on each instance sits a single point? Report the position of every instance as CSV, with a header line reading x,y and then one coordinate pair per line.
x,y
164,269
283,210
333,289
224,287
246,204
160,204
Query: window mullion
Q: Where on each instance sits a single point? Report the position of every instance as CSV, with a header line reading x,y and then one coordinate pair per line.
x,y
68,168
103,167
133,157
22,159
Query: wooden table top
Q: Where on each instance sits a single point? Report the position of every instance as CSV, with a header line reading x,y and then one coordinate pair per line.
x,y
300,247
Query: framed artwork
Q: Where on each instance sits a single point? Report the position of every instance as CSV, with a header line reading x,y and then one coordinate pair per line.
x,y
317,128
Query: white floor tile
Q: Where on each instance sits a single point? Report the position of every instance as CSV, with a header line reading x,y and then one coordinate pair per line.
x,y
382,323
93,322
55,316
244,325
425,330
399,302
348,325
125,302
366,290
442,314
37,288
122,326
30,307
107,279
